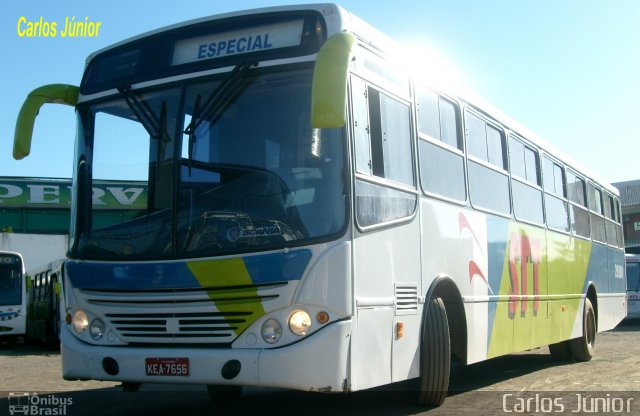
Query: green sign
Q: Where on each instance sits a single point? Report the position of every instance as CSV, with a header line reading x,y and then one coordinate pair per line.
x,y
56,193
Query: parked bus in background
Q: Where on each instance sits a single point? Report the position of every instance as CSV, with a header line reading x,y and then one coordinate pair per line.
x,y
13,296
633,285
45,310
316,219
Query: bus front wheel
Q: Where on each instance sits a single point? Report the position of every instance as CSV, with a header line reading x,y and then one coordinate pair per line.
x,y
435,360
583,348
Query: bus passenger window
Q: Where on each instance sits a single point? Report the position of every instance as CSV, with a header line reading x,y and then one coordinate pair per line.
x,y
488,177
611,226
556,205
442,170
525,186
578,205
438,118
598,232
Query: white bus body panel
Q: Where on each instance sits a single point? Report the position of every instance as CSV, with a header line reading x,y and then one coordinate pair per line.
x,y
383,259
319,363
454,241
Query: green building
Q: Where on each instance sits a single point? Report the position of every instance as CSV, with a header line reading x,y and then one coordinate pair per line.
x,y
41,205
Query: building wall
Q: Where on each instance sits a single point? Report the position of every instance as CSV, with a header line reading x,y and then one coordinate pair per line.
x,y
37,250
630,203
631,224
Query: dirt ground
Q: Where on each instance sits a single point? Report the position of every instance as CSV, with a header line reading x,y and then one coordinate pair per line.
x,y
497,386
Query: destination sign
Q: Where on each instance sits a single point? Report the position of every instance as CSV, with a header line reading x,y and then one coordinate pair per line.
x,y
237,42
9,260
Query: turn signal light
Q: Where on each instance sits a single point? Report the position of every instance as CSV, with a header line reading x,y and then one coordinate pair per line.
x,y
399,330
322,317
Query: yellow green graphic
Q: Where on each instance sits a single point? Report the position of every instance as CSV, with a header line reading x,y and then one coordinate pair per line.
x,y
231,289
542,280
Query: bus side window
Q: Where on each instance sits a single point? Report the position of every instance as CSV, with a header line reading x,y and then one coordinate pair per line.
x,y
382,128
597,218
555,194
611,225
618,220
525,186
487,164
36,291
578,212
47,293
40,286
442,169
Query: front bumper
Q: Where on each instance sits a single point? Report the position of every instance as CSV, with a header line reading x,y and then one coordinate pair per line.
x,y
317,363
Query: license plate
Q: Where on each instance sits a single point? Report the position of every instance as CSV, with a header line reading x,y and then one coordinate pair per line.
x,y
167,366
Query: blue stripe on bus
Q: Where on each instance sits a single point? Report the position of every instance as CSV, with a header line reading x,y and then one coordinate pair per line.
x,y
601,269
264,268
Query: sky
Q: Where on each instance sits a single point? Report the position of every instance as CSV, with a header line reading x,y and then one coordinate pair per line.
x,y
568,69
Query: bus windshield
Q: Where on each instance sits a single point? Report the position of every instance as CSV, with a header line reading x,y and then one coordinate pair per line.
x,y
231,165
10,285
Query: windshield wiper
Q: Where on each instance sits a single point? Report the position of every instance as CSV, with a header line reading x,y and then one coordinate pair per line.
x,y
154,125
142,110
220,100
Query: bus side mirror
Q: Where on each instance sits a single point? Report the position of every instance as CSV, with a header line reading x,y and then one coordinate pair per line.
x,y
28,282
53,93
329,88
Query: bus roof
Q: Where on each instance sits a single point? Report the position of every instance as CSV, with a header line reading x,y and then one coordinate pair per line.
x,y
537,140
339,19
13,253
327,9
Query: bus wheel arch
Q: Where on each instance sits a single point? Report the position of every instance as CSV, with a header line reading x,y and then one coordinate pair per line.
x,y
445,288
583,347
443,335
592,296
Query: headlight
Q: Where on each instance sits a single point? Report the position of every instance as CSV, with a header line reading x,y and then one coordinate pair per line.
x,y
299,323
96,330
271,330
80,321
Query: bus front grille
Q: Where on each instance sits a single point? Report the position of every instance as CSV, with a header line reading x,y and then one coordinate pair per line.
x,y
211,315
213,326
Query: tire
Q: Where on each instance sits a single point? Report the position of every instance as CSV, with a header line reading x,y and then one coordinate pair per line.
x,y
435,357
583,348
223,394
561,351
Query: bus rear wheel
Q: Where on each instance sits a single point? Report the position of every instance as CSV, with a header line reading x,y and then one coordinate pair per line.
x,y
435,357
583,348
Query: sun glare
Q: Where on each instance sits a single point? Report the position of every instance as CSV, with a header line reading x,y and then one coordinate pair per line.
x,y
427,63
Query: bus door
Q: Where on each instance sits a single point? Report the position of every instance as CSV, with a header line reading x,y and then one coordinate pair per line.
x,y
387,242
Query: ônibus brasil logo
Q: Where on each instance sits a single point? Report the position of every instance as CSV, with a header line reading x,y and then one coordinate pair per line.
x,y
41,405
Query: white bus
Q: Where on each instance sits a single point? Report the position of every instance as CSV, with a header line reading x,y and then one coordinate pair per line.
x,y
13,296
315,219
633,285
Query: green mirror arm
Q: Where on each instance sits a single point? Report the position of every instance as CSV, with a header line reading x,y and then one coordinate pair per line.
x,y
53,93
329,88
